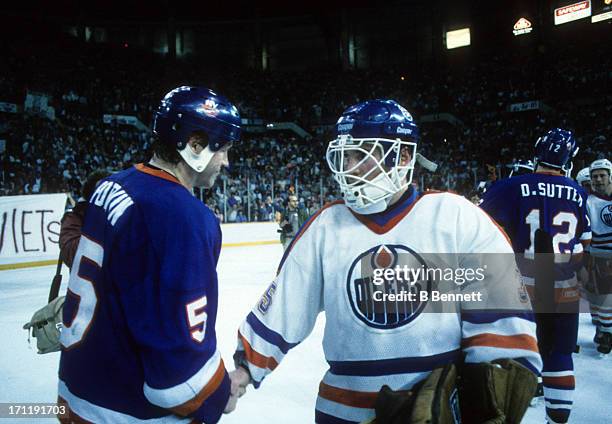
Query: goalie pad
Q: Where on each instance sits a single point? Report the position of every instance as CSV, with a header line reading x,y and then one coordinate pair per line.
x,y
45,326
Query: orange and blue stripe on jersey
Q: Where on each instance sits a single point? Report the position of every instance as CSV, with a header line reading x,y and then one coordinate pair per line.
x,y
268,335
210,383
371,368
513,332
268,340
349,390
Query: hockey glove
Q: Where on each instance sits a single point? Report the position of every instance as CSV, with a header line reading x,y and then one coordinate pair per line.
x,y
495,393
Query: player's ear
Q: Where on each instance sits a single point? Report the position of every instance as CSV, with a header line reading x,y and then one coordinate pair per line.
x,y
198,140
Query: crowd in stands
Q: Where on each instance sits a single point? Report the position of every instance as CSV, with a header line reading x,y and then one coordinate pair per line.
x,y
54,153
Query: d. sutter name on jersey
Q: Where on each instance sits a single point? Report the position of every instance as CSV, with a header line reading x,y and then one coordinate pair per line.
x,y
553,191
113,199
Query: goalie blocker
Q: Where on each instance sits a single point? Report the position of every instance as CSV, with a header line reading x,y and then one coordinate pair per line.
x,y
492,393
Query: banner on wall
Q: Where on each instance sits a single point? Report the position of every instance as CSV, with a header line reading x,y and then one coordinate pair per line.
x,y
30,226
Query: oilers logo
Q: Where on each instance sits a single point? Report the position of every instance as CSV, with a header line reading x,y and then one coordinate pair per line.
x,y
606,215
390,303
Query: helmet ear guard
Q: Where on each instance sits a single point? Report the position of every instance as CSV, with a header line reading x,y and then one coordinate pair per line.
x,y
197,161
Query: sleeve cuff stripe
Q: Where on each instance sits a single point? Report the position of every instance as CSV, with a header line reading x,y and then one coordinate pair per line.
x,y
257,358
519,341
175,396
192,405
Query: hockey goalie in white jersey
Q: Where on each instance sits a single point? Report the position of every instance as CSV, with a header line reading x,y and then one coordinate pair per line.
x,y
373,339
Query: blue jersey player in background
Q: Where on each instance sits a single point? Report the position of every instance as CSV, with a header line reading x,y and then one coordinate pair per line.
x,y
547,202
139,340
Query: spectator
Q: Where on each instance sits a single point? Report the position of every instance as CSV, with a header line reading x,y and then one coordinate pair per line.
x,y
291,220
72,221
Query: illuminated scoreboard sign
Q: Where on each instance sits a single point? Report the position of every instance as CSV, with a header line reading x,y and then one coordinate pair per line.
x,y
602,10
573,12
522,26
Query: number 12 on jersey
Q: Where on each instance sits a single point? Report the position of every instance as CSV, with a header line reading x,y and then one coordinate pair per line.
x,y
559,220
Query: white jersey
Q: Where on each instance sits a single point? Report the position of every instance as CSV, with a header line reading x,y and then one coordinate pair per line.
x,y
330,267
599,208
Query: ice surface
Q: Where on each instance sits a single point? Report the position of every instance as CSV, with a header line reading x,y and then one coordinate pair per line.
x,y
288,394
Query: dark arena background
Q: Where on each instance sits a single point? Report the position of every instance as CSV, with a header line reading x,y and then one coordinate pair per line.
x,y
80,81
70,68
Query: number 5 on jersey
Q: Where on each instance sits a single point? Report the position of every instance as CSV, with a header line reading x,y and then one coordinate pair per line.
x,y
87,264
196,317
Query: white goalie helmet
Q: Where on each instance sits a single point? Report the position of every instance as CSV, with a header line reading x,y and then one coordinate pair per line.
x,y
372,135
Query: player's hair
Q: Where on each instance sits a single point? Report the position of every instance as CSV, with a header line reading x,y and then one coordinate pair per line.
x,y
92,181
168,152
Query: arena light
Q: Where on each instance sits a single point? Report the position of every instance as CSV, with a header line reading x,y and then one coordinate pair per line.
x,y
573,12
522,26
458,38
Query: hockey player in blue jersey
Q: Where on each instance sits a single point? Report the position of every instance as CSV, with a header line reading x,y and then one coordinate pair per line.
x,y
378,350
550,204
139,343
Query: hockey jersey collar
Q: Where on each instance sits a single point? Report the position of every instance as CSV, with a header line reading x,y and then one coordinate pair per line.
x,y
382,222
602,196
156,172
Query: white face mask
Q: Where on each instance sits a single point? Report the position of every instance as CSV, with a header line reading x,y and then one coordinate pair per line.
x,y
368,191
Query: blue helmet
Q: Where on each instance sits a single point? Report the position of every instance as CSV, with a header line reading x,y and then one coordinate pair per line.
x,y
187,109
556,150
375,131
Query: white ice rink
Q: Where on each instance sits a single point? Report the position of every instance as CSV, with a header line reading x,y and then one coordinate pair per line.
x,y
287,395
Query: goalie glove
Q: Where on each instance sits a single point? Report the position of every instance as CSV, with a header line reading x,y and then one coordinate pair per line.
x,y
485,393
432,401
496,393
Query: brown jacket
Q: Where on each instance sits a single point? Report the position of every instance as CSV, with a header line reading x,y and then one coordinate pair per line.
x,y
70,232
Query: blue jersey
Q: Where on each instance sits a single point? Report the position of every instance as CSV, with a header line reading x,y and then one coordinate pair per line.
x,y
139,337
552,203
